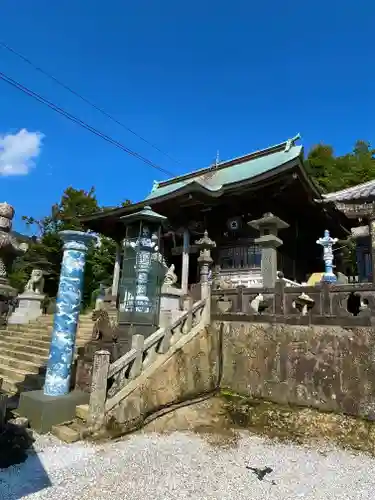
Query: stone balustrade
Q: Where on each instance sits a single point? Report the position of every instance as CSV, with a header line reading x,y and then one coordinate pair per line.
x,y
109,378
323,304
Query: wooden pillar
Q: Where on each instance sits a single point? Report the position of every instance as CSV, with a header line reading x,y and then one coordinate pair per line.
x,y
185,262
116,271
372,243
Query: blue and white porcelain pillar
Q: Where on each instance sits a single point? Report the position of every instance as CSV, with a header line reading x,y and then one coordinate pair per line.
x,y
68,305
327,243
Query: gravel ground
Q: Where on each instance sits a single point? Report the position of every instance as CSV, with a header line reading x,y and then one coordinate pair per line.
x,y
186,465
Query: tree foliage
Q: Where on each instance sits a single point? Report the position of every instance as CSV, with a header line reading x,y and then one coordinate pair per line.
x,y
333,173
46,249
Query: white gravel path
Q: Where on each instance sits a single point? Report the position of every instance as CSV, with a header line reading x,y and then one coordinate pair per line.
x,y
185,465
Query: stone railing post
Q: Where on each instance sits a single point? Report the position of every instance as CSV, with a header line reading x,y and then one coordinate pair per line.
x,y
99,386
138,342
205,260
189,319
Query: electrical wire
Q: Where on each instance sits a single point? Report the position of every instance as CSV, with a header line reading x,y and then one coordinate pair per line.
x,y
80,122
84,99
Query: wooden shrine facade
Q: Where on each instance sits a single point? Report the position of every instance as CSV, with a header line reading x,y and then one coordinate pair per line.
x,y
223,199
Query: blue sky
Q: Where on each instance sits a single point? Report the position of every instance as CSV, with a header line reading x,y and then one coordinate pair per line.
x,y
191,77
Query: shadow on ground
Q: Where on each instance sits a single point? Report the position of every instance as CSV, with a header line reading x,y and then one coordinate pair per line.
x,y
21,470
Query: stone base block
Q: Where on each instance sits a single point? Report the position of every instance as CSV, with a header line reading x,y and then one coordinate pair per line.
x,y
29,308
171,302
43,412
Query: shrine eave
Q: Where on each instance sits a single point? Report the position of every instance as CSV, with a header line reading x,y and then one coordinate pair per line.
x,y
99,221
361,193
355,202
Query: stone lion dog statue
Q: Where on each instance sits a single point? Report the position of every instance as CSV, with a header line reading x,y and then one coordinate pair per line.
x,y
36,282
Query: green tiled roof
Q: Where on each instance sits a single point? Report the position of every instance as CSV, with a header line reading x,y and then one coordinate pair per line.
x,y
216,178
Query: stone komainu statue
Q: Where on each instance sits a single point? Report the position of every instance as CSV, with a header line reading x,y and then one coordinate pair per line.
x,y
103,329
36,282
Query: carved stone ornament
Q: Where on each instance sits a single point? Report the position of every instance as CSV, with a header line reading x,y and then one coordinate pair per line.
x,y
170,278
303,303
224,305
205,245
258,304
224,283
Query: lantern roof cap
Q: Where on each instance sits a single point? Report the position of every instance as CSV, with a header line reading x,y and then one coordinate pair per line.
x,y
268,219
146,214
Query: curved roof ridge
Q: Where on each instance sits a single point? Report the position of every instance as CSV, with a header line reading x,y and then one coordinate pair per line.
x,y
283,146
363,190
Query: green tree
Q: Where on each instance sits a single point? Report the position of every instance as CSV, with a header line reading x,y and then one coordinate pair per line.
x,y
333,173
47,247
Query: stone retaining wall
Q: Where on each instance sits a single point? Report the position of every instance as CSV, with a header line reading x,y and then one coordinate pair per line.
x,y
324,367
328,368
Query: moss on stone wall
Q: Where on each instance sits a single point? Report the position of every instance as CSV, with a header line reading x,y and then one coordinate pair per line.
x,y
299,424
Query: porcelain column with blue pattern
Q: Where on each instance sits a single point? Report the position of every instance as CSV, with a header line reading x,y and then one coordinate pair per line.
x,y
68,305
327,243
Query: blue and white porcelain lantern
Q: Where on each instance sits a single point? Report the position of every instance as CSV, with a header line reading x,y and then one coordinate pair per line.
x,y
68,306
327,243
141,267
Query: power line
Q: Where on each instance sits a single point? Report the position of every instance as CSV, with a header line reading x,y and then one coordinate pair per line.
x,y
84,99
80,122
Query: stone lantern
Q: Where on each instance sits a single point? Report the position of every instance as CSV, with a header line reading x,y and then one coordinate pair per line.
x,y
10,249
269,226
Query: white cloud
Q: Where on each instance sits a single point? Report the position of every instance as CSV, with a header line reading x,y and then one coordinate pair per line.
x,y
19,151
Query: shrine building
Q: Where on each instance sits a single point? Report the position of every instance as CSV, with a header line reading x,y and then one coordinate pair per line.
x,y
358,205
227,199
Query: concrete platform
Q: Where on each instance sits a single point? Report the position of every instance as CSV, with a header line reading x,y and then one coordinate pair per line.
x,y
44,412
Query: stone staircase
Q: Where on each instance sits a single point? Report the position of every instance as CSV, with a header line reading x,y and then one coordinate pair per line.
x,y
24,351
70,432
148,377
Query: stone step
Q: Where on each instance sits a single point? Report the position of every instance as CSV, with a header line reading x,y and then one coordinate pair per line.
x,y
25,335
38,359
31,345
16,374
28,326
48,325
24,348
32,341
12,387
66,433
9,334
20,364
82,412
40,335
42,327
27,329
